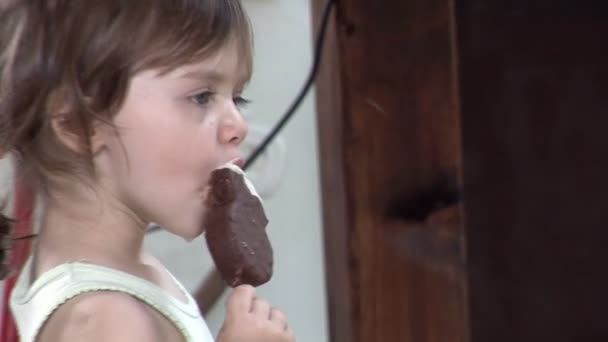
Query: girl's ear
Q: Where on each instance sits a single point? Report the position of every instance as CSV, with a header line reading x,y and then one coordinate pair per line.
x,y
98,136
68,132
76,136
80,135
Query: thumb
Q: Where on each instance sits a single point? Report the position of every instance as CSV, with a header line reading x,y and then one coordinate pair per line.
x,y
241,299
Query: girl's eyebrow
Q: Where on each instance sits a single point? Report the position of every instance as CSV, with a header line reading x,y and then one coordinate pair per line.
x,y
208,75
213,76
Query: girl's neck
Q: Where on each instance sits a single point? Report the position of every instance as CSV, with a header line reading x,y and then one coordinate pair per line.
x,y
88,224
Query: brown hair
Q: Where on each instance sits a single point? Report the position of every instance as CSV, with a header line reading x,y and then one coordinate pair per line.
x,y
80,55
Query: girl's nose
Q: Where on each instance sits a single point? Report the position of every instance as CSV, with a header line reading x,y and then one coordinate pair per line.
x,y
233,128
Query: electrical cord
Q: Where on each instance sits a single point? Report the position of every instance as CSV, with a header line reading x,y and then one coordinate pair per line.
x,y
309,82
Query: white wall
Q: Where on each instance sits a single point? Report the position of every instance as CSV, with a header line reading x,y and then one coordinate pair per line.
x,y
282,59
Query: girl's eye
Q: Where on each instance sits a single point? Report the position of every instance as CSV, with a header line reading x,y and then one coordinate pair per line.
x,y
202,98
241,102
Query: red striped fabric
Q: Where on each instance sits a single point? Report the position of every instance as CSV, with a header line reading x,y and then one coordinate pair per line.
x,y
22,212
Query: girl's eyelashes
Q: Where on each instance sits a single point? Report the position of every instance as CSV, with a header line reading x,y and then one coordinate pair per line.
x,y
240,102
202,98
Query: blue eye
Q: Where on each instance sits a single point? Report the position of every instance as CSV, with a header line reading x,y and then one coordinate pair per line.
x,y
241,102
202,98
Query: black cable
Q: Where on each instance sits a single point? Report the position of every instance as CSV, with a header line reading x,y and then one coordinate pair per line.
x,y
298,101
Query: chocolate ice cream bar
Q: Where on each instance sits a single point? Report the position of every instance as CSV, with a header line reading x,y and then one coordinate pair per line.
x,y
235,225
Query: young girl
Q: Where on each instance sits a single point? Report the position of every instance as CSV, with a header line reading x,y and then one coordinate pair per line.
x,y
117,111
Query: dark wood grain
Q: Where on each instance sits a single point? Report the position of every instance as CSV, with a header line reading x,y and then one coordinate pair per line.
x,y
534,100
390,139
332,160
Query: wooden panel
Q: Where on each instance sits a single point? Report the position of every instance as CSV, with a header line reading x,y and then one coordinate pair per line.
x,y
332,161
390,158
534,98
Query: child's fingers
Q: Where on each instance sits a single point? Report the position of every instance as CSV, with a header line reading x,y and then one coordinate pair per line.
x,y
260,308
278,318
241,299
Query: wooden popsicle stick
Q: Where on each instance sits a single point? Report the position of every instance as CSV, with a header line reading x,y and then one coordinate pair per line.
x,y
210,291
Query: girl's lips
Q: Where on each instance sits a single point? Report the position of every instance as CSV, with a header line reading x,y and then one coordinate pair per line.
x,y
240,162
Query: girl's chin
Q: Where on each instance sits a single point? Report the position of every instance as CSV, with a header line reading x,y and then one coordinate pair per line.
x,y
187,232
192,233
192,238
189,236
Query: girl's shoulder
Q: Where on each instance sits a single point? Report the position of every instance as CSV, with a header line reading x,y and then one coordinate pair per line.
x,y
86,301
105,316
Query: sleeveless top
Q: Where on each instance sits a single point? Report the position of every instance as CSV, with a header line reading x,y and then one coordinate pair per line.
x,y
32,304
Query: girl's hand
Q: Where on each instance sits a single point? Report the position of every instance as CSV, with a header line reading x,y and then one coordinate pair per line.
x,y
250,319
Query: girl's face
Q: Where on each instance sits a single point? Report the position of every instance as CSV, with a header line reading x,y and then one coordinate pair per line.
x,y
171,132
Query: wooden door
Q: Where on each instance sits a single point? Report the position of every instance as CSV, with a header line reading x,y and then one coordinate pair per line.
x,y
464,154
534,86
391,173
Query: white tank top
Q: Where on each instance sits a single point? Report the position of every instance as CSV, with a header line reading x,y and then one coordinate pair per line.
x,y
32,305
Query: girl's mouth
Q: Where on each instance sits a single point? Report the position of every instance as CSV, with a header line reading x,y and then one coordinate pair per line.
x,y
240,162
